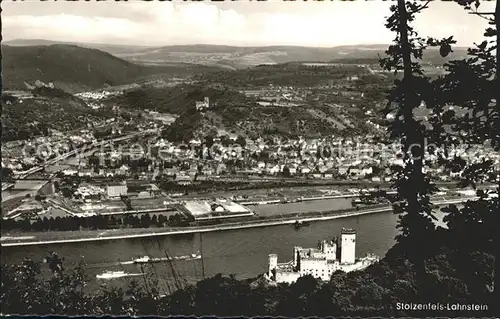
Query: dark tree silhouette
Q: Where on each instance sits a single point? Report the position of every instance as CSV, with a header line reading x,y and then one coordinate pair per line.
x,y
471,86
413,187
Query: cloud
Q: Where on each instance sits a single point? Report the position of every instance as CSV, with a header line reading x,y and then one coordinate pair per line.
x,y
326,23
71,27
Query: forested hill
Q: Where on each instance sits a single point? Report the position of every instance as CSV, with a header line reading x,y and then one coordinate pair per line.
x,y
75,68
431,56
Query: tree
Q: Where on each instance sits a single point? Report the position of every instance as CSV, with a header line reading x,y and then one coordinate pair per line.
x,y
6,174
370,294
412,185
471,86
415,90
286,171
241,141
209,141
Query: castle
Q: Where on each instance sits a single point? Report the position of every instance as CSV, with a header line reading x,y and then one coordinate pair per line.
x,y
203,105
320,262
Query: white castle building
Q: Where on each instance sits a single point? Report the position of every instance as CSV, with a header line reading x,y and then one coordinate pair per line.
x,y
320,262
203,105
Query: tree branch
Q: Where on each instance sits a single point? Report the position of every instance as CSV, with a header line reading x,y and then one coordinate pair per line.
x,y
424,6
484,15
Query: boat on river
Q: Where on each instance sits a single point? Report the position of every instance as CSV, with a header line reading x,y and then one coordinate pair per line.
x,y
115,274
299,224
149,260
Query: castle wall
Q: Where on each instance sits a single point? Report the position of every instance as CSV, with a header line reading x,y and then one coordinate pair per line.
x,y
273,262
314,267
287,277
329,250
320,263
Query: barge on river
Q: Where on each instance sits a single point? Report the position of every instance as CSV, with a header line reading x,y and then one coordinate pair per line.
x,y
149,260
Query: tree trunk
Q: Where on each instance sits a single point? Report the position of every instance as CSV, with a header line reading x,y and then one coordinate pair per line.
x,y
413,137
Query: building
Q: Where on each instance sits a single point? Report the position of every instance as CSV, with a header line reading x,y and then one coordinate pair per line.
x,y
117,190
203,105
321,262
215,209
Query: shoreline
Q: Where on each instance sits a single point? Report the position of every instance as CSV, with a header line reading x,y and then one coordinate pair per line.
x,y
198,229
148,232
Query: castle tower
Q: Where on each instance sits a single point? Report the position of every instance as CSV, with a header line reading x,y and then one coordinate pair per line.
x,y
273,262
329,248
296,251
348,246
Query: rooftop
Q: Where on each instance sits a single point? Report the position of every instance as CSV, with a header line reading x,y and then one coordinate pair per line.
x,y
199,208
348,231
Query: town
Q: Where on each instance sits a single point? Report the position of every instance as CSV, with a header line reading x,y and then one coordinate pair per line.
x,y
250,159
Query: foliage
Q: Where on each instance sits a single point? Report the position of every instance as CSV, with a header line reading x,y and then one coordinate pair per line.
x,y
72,223
471,86
6,174
231,110
413,186
28,118
372,292
175,100
288,74
467,85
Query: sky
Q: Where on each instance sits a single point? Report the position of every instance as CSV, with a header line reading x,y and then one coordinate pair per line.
x,y
242,23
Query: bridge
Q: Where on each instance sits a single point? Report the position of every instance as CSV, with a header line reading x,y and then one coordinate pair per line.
x,y
33,170
6,186
37,179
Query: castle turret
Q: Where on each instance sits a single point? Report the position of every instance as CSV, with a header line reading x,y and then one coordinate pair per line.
x,y
348,246
296,252
273,263
329,248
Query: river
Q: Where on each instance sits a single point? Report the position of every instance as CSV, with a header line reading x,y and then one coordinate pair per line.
x,y
243,252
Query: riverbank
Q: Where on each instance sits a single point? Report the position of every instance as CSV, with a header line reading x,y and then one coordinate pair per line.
x,y
46,238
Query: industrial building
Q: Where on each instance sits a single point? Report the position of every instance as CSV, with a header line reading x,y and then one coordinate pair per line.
x,y
215,209
320,262
117,190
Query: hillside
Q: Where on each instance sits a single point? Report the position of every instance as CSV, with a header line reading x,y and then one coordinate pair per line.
x,y
174,100
228,107
287,74
234,57
75,69
46,109
431,57
233,112
241,57
109,48
291,99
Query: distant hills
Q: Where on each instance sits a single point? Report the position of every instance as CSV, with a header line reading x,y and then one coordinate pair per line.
x,y
109,48
240,57
234,57
74,68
